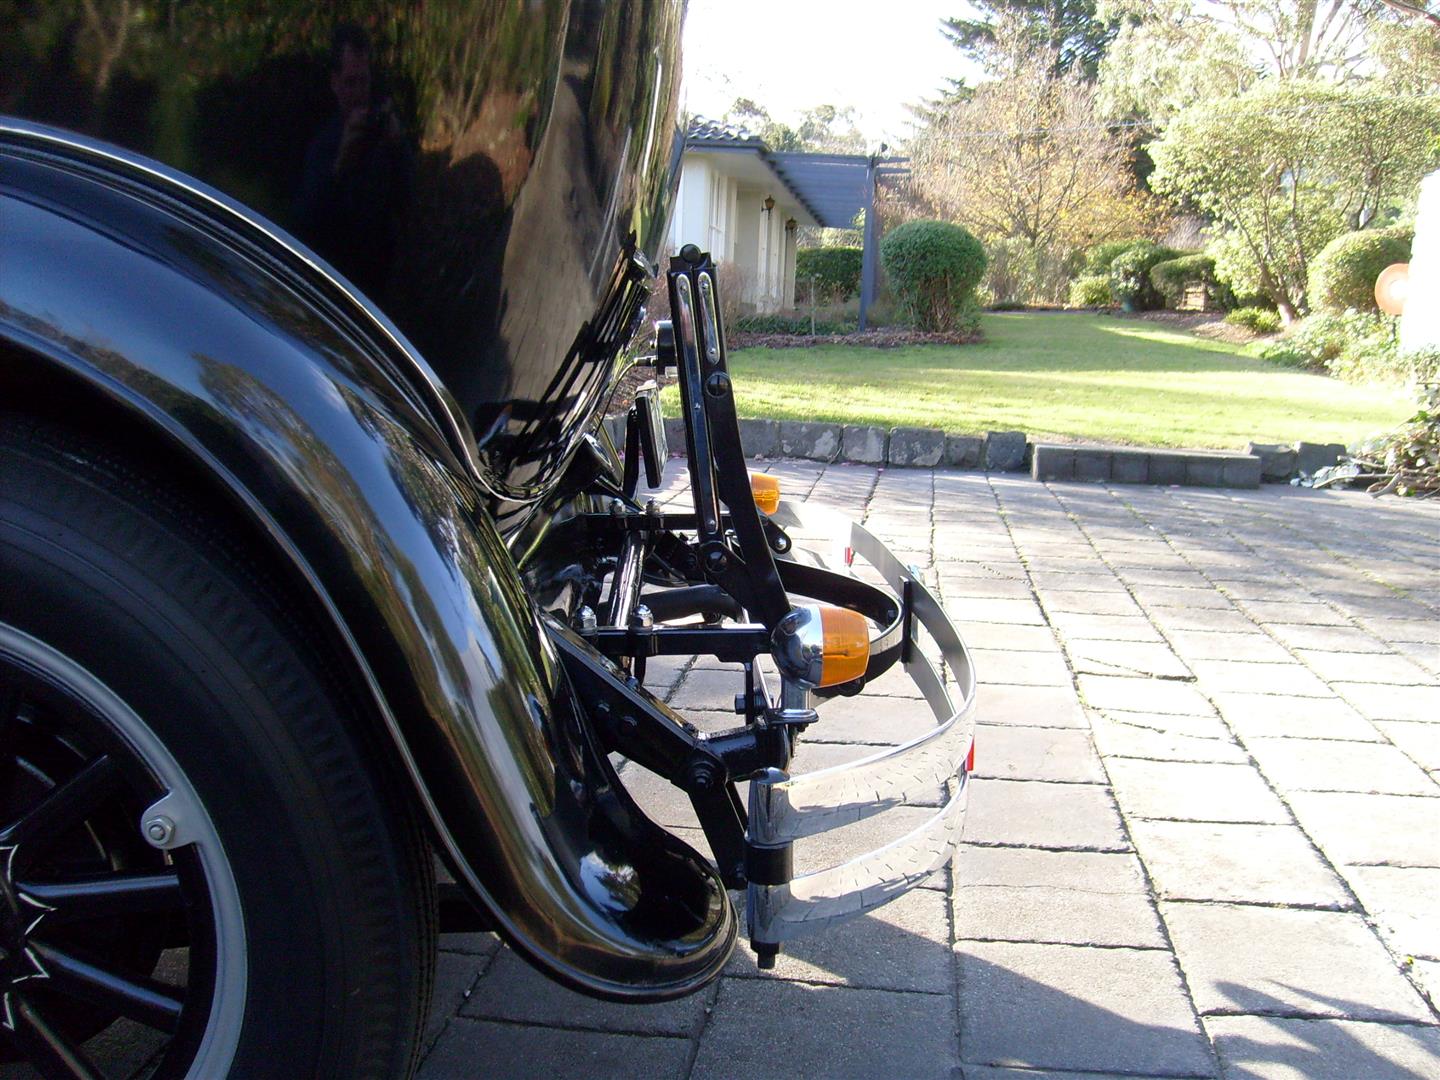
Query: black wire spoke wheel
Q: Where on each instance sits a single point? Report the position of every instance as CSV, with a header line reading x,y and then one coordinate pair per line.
x,y
108,935
211,867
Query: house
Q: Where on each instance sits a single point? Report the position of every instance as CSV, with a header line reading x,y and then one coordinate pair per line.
x,y
744,203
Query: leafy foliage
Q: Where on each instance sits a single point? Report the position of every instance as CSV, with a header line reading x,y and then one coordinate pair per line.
x,y
820,128
1260,320
1026,158
835,271
1408,459
1021,273
1285,165
1130,274
1343,274
1099,257
934,267
1356,346
1091,290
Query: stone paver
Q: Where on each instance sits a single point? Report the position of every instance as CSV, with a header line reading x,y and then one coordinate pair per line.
x,y
1288,962
1276,1048
1203,838
1065,897
1194,791
1098,1010
1164,738
776,1029
1033,814
1057,754
1259,864
1398,830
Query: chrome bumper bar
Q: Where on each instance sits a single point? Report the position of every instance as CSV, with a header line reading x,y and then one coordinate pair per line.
x,y
785,808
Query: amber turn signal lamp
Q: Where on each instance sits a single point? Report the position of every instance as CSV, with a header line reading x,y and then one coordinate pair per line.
x,y
766,490
846,652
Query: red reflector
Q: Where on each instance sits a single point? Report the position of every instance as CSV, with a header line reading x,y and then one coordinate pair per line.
x,y
849,556
970,758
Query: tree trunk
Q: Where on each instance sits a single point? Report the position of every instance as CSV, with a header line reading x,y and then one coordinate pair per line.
x,y
1288,315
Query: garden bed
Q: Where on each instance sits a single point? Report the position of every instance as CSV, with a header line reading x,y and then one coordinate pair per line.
x,y
880,338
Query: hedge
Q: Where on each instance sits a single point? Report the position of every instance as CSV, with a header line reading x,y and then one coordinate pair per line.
x,y
1343,274
934,267
834,270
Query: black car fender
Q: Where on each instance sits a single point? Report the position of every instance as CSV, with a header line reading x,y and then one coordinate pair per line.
x,y
235,345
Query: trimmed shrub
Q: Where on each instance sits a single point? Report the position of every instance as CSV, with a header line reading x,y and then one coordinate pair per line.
x,y
1173,278
1130,274
1258,320
1099,257
1091,290
934,267
1343,274
835,271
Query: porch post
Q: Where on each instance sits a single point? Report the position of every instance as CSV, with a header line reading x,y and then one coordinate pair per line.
x,y
869,254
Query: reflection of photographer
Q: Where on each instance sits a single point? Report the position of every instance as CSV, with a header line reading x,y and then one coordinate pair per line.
x,y
357,170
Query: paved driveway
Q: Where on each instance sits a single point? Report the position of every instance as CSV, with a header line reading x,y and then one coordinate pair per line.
x,y
1204,834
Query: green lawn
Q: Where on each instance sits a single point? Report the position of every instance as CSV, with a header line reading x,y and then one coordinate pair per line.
x,y
1066,377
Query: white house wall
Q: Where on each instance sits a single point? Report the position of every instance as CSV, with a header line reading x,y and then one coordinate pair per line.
x,y
690,224
727,216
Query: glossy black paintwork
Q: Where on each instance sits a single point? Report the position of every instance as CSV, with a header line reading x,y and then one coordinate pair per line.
x,y
204,326
501,213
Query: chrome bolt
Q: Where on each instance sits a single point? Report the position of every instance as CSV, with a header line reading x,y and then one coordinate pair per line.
x,y
585,618
159,830
617,507
652,508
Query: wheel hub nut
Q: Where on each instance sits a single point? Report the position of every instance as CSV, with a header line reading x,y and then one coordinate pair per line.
x,y
159,830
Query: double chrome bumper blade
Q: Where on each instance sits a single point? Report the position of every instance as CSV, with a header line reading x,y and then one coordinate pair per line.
x,y
787,808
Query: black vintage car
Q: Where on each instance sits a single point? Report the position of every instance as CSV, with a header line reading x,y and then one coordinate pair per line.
x,y
320,576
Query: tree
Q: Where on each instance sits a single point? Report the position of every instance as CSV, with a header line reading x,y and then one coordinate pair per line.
x,y
821,128
1170,54
1027,157
1068,29
1287,166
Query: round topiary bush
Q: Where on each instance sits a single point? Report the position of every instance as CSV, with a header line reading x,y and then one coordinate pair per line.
x,y
1091,290
834,271
1343,274
1130,275
934,267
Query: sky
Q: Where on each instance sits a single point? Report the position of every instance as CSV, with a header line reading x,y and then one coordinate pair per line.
x,y
789,55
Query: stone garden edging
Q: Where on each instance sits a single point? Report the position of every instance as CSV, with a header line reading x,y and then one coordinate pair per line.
x,y
1011,451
